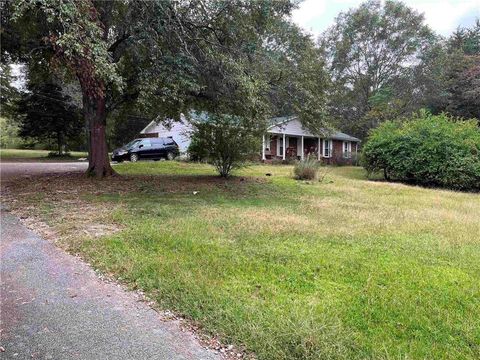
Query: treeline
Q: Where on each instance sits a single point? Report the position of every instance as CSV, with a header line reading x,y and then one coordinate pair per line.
x,y
377,62
386,63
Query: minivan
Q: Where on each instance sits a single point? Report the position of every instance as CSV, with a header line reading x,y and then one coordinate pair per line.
x,y
147,148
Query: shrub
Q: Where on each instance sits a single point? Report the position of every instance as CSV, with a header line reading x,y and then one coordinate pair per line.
x,y
432,150
307,169
225,141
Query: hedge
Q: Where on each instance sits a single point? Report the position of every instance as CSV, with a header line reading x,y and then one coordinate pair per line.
x,y
431,150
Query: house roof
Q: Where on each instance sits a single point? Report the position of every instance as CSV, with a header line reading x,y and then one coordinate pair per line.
x,y
291,125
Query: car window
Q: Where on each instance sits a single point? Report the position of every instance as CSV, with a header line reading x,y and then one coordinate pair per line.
x,y
146,143
132,143
157,142
169,141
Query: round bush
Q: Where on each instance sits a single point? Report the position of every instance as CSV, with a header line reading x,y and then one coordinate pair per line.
x,y
432,150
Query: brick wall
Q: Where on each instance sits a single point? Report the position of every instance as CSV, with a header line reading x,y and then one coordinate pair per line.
x,y
337,153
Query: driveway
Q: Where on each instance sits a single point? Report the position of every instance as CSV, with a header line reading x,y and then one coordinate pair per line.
x,y
54,306
9,170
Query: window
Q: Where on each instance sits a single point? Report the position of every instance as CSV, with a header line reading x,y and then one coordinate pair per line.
x,y
267,142
327,148
168,141
347,149
145,144
280,145
132,144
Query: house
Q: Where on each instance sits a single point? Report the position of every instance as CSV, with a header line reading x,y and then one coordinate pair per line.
x,y
285,139
179,131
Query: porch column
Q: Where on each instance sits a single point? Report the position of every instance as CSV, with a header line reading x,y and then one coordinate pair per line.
x,y
319,149
263,147
284,150
303,151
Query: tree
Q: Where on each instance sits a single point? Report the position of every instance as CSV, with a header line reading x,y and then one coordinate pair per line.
x,y
169,56
462,73
8,93
225,141
463,86
47,114
296,71
454,73
466,40
374,53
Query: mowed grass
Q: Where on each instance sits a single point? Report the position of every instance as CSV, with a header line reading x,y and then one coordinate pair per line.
x,y
344,269
23,154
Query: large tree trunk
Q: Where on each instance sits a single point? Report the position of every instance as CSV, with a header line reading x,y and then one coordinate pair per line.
x,y
96,117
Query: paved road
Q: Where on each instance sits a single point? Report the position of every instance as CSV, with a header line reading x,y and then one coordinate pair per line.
x,y
12,169
53,306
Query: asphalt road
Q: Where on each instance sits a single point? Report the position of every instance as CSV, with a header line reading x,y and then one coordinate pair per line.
x,y
54,306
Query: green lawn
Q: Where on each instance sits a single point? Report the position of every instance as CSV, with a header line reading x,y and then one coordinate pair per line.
x,y
20,154
344,269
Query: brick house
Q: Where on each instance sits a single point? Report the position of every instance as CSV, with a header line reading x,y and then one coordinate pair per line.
x,y
287,139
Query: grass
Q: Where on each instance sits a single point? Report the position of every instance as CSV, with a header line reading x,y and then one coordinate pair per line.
x,y
343,269
21,154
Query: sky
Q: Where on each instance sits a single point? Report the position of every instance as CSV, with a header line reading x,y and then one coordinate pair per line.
x,y
315,16
443,16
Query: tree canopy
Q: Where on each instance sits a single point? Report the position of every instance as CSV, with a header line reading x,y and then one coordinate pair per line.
x,y
45,113
167,56
375,54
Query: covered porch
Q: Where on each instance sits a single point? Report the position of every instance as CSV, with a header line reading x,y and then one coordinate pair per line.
x,y
284,146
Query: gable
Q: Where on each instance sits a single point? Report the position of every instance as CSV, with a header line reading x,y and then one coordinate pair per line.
x,y
290,127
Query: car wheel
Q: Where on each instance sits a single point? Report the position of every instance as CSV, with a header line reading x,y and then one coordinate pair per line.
x,y
133,157
170,156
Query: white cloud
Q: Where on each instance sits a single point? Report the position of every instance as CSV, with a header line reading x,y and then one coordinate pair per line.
x,y
308,10
308,14
443,16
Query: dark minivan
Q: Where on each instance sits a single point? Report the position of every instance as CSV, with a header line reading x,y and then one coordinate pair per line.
x,y
147,148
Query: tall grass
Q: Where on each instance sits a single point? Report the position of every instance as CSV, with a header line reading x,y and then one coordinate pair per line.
x,y
343,269
307,169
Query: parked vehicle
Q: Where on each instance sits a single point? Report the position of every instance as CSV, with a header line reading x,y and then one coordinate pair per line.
x,y
147,148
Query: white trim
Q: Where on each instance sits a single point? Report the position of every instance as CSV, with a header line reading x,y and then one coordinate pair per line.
x,y
284,147
347,154
302,153
330,148
319,146
268,142
280,142
263,147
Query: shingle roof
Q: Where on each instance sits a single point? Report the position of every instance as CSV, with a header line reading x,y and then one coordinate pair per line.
x,y
342,136
337,135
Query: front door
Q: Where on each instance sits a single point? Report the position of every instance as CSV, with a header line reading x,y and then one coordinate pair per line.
x,y
292,147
